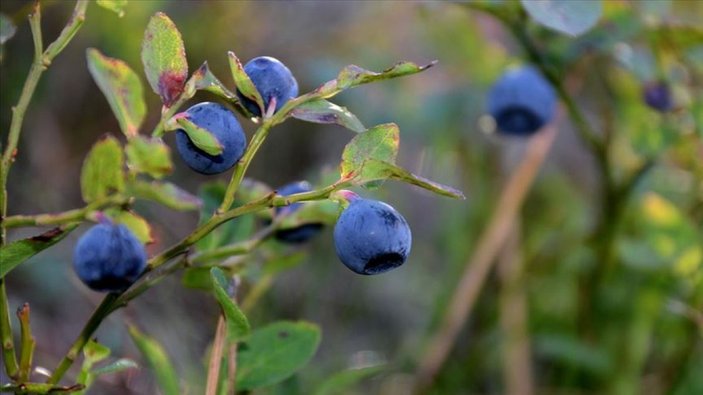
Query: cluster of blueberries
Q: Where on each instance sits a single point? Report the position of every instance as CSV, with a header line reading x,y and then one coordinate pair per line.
x,y
370,236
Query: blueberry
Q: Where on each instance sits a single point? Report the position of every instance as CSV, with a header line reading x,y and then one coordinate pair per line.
x,y
272,79
371,237
521,102
109,258
224,126
301,233
657,95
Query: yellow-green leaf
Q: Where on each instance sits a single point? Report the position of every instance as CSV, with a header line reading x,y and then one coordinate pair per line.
x,y
151,156
374,170
166,193
164,58
138,225
116,6
243,83
122,88
200,137
380,142
102,173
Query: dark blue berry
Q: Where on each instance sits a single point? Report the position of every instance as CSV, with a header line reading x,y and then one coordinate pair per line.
x,y
301,233
371,237
222,123
521,102
657,95
272,79
109,258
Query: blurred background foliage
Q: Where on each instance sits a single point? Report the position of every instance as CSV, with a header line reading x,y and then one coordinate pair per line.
x,y
633,327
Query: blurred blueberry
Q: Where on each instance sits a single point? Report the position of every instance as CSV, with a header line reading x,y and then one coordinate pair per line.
x,y
657,95
109,258
521,102
272,79
222,123
371,237
301,233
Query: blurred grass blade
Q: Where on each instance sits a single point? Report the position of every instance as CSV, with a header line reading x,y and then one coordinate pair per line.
x,y
345,380
122,89
164,58
115,367
19,251
276,352
323,111
237,323
158,361
102,173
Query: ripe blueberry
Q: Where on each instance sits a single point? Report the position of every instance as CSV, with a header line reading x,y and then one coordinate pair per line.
x,y
657,95
224,126
301,233
272,79
109,258
371,237
521,102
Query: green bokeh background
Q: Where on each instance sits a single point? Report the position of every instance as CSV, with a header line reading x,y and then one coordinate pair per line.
x,y
647,339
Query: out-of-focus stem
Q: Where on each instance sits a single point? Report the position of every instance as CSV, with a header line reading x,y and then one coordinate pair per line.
x,y
27,344
479,264
517,366
213,370
65,217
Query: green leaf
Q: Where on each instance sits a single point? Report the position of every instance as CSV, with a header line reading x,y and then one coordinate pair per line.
x,y
151,156
275,352
7,28
117,366
122,88
375,170
573,17
200,137
197,278
158,361
164,58
102,173
19,251
353,75
166,193
116,6
323,111
343,381
138,225
237,323
380,142
243,82
95,352
203,79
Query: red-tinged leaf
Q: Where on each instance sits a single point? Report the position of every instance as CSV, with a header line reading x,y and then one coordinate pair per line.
x,y
19,251
164,58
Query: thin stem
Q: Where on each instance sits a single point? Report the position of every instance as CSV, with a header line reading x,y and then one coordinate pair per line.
x,y
27,342
74,24
213,371
479,264
113,302
90,327
243,164
167,113
241,248
8,346
65,217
